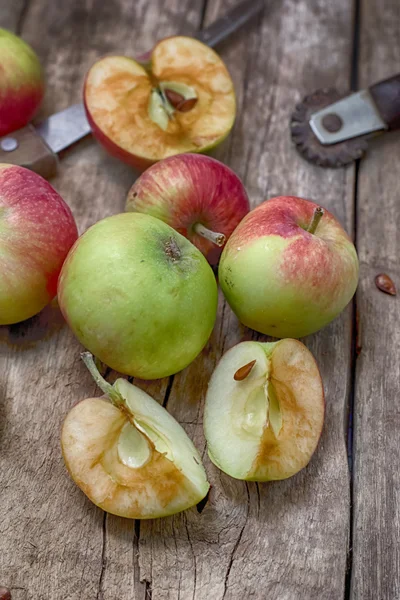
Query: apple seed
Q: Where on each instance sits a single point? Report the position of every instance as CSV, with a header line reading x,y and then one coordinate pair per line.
x,y
385,284
187,105
5,593
174,98
244,371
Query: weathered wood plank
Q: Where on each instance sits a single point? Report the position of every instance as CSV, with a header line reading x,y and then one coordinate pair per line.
x,y
376,539
54,544
285,540
11,13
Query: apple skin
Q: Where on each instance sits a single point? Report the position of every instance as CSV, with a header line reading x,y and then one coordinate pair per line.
x,y
21,83
37,230
192,188
140,308
281,280
140,163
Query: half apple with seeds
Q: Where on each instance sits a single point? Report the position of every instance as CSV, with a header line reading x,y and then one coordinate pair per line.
x,y
182,100
264,410
129,455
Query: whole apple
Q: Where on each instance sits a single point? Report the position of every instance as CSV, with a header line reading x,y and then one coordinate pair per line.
x,y
138,295
197,195
289,268
37,230
21,82
182,100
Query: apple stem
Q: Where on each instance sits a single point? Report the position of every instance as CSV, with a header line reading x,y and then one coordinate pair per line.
x,y
105,387
317,216
215,237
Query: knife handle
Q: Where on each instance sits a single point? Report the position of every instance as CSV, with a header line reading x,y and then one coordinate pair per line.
x,y
27,148
236,18
386,95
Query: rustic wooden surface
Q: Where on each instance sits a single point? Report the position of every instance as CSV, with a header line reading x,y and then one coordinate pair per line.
x,y
376,537
282,541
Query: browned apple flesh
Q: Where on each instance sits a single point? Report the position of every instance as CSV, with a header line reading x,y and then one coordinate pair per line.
x,y
133,460
129,103
265,425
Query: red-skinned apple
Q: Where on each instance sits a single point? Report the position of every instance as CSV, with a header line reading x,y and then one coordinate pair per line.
x,y
197,195
21,83
37,230
182,100
289,268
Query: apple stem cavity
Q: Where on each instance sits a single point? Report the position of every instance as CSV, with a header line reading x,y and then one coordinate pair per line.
x,y
317,216
105,387
218,239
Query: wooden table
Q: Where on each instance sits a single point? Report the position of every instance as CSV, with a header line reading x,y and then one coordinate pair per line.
x,y
324,534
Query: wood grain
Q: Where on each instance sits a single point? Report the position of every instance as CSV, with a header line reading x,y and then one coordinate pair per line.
x,y
284,540
11,14
376,539
54,544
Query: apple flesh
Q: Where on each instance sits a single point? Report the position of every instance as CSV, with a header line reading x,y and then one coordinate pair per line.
x,y
196,195
129,455
181,101
138,295
21,83
37,230
289,268
264,410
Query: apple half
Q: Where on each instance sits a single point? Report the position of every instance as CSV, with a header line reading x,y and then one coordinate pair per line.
x,y
182,100
264,410
129,455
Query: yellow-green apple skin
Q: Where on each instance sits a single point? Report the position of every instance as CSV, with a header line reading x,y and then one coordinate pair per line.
x,y
138,295
21,82
282,280
37,230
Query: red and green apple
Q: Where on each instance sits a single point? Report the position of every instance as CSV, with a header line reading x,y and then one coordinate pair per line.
x,y
37,230
197,195
21,82
289,268
182,100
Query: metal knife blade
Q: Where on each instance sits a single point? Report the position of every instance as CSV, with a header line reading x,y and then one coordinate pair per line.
x,y
36,147
357,115
64,128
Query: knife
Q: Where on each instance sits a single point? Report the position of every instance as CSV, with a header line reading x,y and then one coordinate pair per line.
x,y
37,146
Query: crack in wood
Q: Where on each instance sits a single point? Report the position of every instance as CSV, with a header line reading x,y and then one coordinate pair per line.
x,y
355,314
232,557
100,595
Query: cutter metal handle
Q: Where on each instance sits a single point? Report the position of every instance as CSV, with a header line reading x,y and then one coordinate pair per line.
x,y
386,95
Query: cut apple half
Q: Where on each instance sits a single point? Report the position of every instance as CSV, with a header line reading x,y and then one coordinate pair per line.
x,y
129,455
264,410
182,100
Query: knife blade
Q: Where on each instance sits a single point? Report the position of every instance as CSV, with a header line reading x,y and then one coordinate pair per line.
x,y
37,147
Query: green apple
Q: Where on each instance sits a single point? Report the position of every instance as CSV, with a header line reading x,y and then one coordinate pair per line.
x,y
264,410
129,455
138,295
289,268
